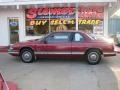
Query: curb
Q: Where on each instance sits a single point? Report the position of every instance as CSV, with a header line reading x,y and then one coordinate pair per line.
x,y
3,49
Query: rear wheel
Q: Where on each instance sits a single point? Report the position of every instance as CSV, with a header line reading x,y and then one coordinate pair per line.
x,y
93,57
27,56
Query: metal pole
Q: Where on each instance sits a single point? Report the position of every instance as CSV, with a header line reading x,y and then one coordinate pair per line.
x,y
49,22
76,17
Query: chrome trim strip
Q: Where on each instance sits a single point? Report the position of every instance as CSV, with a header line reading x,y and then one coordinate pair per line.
x,y
108,53
73,53
52,53
40,52
10,51
59,53
13,52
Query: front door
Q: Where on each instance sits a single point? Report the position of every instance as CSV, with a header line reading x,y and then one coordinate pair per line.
x,y
14,30
55,45
59,44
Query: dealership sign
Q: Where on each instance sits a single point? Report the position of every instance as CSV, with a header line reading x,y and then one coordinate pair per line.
x,y
91,13
89,22
65,15
45,13
63,22
52,22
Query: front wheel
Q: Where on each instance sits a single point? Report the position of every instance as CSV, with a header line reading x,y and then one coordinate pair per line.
x,y
93,57
27,56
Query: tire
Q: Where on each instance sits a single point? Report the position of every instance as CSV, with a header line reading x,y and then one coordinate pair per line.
x,y
93,57
27,56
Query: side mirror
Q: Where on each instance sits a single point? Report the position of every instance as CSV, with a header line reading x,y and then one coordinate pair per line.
x,y
45,41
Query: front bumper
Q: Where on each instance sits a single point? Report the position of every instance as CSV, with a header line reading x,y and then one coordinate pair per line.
x,y
13,52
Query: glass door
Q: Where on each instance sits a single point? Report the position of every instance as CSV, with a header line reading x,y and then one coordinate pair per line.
x,y
14,30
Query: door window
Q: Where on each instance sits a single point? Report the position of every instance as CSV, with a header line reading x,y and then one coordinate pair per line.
x,y
58,38
78,37
14,30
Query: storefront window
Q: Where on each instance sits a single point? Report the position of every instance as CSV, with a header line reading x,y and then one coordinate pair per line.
x,y
62,18
90,19
37,21
45,20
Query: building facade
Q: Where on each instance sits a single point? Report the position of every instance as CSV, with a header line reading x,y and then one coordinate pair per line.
x,y
21,20
114,19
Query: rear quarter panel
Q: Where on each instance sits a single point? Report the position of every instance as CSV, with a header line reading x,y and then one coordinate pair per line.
x,y
103,46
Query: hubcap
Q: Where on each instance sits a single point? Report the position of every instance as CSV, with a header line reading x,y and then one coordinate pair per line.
x,y
27,56
93,57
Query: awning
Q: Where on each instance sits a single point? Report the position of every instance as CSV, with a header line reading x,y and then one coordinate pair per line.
x,y
30,2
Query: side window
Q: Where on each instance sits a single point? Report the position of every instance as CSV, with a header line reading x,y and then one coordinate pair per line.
x,y
59,37
78,37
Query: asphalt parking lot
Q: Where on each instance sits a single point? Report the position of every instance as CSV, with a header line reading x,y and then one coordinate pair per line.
x,y
62,74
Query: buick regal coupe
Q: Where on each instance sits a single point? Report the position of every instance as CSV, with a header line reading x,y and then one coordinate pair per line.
x,y
65,44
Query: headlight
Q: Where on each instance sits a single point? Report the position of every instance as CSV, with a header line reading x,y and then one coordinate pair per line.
x,y
110,40
11,47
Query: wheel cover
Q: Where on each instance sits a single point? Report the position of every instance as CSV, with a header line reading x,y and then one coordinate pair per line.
x,y
93,57
27,56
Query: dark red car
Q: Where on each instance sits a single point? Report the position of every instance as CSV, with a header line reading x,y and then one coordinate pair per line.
x,y
5,85
66,44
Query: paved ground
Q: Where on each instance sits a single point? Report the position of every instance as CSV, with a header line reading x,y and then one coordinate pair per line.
x,y
62,74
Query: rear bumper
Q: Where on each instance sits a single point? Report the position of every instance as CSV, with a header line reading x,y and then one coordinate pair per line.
x,y
13,52
106,54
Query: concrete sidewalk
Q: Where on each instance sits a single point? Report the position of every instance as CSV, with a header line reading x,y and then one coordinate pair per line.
x,y
62,74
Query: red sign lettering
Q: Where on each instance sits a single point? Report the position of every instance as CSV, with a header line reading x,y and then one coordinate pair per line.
x,y
31,13
42,12
91,12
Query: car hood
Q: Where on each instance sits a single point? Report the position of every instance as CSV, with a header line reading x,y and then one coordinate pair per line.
x,y
98,40
28,42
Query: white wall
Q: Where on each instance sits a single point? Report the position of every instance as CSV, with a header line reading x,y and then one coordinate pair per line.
x,y
106,21
4,26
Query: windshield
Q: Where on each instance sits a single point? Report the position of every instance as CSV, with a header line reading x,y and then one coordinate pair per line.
x,y
40,39
91,36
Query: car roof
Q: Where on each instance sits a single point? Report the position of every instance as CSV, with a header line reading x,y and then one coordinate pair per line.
x,y
69,31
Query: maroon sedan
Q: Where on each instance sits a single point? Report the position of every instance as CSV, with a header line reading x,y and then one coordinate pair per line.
x,y
67,44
